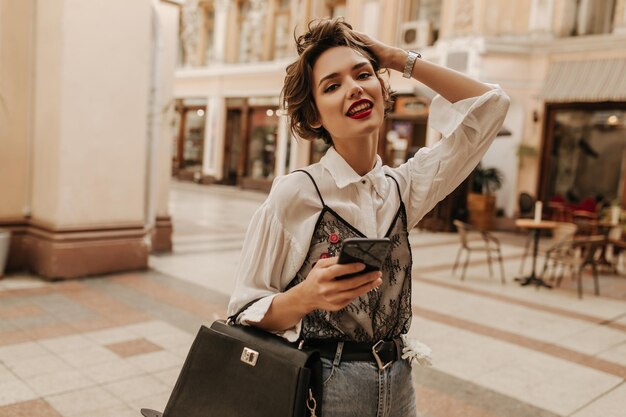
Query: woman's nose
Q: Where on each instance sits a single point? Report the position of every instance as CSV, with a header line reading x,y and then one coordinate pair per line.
x,y
355,90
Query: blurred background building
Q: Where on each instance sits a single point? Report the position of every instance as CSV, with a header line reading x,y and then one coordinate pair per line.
x,y
100,102
563,62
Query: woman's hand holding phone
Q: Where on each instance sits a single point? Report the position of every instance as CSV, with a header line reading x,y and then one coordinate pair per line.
x,y
321,289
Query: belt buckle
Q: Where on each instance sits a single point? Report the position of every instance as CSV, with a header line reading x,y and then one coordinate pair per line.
x,y
379,362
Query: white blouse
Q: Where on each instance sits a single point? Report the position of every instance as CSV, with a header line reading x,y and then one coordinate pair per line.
x,y
278,237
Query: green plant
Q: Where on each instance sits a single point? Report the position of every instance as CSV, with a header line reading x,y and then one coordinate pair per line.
x,y
486,180
527,151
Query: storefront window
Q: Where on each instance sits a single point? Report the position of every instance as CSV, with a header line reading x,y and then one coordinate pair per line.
x,y
194,137
406,129
189,145
262,143
318,150
588,159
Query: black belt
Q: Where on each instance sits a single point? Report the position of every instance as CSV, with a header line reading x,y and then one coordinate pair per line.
x,y
383,352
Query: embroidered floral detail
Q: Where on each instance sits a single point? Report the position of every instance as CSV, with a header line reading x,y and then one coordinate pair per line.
x,y
334,238
324,255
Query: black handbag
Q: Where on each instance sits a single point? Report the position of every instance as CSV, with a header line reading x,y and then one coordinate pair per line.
x,y
234,371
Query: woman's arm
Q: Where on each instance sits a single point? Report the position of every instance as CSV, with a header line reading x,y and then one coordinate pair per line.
x,y
319,291
450,84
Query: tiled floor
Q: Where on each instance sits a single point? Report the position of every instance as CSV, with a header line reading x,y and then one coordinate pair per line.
x,y
107,346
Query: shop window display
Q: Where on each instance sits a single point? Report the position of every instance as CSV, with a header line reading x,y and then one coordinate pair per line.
x,y
318,149
262,143
588,158
189,140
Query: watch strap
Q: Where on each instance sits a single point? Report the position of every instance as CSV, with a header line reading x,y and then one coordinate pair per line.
x,y
412,56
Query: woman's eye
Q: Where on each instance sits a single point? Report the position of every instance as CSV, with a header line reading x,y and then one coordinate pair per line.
x,y
364,75
331,88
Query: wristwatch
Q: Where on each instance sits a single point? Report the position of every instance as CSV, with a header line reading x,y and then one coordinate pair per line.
x,y
410,63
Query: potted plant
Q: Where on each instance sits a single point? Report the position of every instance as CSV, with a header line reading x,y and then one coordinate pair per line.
x,y
481,201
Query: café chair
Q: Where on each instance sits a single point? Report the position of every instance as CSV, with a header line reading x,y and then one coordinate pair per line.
x,y
575,254
487,243
586,221
561,232
526,206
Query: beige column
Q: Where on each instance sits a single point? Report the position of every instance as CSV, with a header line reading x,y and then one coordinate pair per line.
x,y
220,34
17,30
540,21
270,7
388,33
282,140
215,127
89,133
354,13
619,24
169,14
232,33
300,154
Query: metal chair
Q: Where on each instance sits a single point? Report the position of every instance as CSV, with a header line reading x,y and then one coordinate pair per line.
x,y
487,243
576,254
526,204
561,233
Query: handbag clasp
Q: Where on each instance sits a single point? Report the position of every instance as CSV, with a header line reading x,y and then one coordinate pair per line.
x,y
249,356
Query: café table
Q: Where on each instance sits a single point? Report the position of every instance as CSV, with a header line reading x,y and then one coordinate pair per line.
x,y
535,227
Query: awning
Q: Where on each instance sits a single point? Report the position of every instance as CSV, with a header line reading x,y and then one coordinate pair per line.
x,y
587,81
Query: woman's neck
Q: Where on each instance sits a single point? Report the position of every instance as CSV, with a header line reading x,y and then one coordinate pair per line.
x,y
359,153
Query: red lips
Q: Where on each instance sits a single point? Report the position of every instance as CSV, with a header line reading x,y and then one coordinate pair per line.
x,y
360,109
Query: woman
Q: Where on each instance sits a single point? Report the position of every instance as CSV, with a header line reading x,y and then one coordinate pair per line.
x,y
289,265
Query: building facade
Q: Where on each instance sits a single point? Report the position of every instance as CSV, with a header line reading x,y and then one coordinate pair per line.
x,y
561,61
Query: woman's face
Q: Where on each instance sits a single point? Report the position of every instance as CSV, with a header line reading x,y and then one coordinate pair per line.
x,y
347,93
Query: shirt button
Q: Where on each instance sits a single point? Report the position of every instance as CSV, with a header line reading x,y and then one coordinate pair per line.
x,y
363,182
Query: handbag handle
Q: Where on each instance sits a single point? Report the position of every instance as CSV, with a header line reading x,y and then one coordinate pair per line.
x,y
233,319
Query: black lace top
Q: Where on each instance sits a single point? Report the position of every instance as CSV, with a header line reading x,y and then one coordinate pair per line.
x,y
381,314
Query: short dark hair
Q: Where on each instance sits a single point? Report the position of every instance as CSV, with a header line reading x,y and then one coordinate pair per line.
x,y
297,92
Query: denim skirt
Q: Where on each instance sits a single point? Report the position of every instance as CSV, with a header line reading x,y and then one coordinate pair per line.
x,y
360,389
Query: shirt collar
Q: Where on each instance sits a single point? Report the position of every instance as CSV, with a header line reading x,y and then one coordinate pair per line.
x,y
343,174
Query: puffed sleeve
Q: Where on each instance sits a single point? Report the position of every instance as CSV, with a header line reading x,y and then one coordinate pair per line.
x,y
468,128
263,259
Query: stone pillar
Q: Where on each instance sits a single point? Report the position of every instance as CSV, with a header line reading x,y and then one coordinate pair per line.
x,y
168,18
17,53
282,140
370,20
541,16
190,34
300,154
619,24
388,33
86,191
215,126
222,9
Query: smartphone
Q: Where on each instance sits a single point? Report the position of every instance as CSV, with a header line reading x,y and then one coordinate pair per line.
x,y
371,252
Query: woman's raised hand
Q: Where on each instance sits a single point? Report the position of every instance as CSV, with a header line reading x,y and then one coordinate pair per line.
x,y
321,290
388,56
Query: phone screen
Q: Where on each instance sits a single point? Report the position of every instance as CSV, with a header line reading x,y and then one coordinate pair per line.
x,y
371,252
